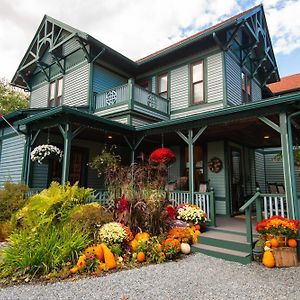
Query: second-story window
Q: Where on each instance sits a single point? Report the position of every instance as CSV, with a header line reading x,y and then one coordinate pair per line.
x,y
163,86
197,83
246,87
55,93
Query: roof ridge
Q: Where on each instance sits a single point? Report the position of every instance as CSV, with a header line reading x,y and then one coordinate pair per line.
x,y
198,33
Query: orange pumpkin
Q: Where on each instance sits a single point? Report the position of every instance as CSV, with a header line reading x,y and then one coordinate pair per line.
x,y
141,257
74,270
292,243
134,244
109,258
268,259
274,243
99,252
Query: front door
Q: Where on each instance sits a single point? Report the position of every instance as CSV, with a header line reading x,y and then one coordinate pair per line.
x,y
77,169
236,180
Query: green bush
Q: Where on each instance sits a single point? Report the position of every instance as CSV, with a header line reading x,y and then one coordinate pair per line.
x,y
41,252
12,197
51,206
87,217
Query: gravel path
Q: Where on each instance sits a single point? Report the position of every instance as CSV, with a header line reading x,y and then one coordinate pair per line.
x,y
195,277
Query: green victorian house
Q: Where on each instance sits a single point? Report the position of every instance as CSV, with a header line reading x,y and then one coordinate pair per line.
x,y
205,97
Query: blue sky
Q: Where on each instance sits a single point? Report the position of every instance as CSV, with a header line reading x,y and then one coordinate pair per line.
x,y
137,28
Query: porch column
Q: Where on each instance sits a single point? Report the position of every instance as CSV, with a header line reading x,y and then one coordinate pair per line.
x,y
287,166
68,135
191,164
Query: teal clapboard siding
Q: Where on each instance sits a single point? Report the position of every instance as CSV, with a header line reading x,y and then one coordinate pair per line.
x,y
218,180
233,81
139,122
39,178
260,171
39,97
256,91
179,91
76,85
215,78
104,80
11,159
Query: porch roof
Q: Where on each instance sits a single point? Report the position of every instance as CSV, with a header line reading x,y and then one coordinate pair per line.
x,y
262,108
63,114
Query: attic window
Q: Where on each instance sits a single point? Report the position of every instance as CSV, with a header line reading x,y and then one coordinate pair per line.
x,y
55,92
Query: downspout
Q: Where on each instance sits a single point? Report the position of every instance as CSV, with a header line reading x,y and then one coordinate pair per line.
x,y
290,141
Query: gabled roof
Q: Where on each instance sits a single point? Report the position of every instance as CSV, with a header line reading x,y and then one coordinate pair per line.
x,y
287,84
201,34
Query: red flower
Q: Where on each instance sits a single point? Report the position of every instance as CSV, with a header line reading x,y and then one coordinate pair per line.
x,y
171,211
123,204
162,156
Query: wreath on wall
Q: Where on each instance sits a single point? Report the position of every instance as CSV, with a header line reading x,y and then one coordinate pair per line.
x,y
215,165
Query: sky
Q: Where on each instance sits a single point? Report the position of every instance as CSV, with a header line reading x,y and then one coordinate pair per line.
x,y
137,28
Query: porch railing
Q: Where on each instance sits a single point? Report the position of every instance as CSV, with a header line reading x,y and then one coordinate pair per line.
x,y
100,196
266,206
205,200
132,93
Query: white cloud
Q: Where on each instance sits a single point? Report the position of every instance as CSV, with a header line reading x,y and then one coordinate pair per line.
x,y
135,28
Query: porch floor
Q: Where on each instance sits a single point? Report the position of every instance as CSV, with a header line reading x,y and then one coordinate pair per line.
x,y
233,224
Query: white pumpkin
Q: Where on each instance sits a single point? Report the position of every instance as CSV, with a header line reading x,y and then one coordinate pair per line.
x,y
185,248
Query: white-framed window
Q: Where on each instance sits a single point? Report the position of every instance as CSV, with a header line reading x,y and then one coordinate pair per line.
x,y
246,87
197,82
163,85
55,92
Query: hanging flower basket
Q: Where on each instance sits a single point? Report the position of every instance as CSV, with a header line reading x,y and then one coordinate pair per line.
x,y
215,165
43,153
162,156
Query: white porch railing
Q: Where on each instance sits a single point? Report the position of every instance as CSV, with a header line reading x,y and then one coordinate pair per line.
x,y
205,200
274,205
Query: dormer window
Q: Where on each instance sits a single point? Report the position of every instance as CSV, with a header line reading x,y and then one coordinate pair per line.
x,y
246,88
163,86
55,92
197,82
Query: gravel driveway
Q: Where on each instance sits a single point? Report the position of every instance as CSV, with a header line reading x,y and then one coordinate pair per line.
x,y
195,277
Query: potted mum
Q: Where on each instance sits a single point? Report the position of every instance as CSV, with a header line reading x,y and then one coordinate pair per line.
x,y
43,153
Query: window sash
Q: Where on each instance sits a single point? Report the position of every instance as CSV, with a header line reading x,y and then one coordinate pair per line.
x,y
55,92
197,82
163,86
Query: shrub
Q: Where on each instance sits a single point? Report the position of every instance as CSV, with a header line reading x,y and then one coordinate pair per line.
x,y
51,206
12,197
87,217
43,251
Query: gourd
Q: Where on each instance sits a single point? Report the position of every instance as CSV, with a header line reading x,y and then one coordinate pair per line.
x,y
274,243
292,243
99,252
185,248
109,258
142,236
81,261
134,244
74,270
141,257
268,259
89,251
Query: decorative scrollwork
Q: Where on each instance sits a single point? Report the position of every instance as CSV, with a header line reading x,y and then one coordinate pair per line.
x,y
151,101
111,97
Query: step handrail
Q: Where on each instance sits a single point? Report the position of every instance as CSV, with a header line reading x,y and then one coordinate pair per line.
x,y
247,208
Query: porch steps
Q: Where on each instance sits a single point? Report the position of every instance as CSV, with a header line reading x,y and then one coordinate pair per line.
x,y
228,245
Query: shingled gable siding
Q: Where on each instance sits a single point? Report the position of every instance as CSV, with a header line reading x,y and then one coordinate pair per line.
x,y
233,81
180,88
11,159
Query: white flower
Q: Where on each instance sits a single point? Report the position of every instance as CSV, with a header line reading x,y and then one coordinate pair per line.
x,y
40,152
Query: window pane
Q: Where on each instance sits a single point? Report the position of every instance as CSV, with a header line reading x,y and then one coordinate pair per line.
x,y
52,90
198,72
243,81
59,87
163,83
198,92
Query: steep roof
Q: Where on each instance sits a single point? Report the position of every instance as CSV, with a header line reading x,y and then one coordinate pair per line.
x,y
201,33
286,84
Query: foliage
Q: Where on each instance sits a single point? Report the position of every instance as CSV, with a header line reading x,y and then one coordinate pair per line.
x,y
51,206
12,197
162,156
171,247
44,251
11,98
191,213
180,233
88,217
112,233
277,226
42,152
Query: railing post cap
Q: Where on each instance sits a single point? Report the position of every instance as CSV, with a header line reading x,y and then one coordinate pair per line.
x,y
258,189
211,189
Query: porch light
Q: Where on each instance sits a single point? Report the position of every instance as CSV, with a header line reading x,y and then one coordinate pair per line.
x,y
109,136
266,137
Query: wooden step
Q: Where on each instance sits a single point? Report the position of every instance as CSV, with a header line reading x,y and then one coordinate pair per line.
x,y
227,254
